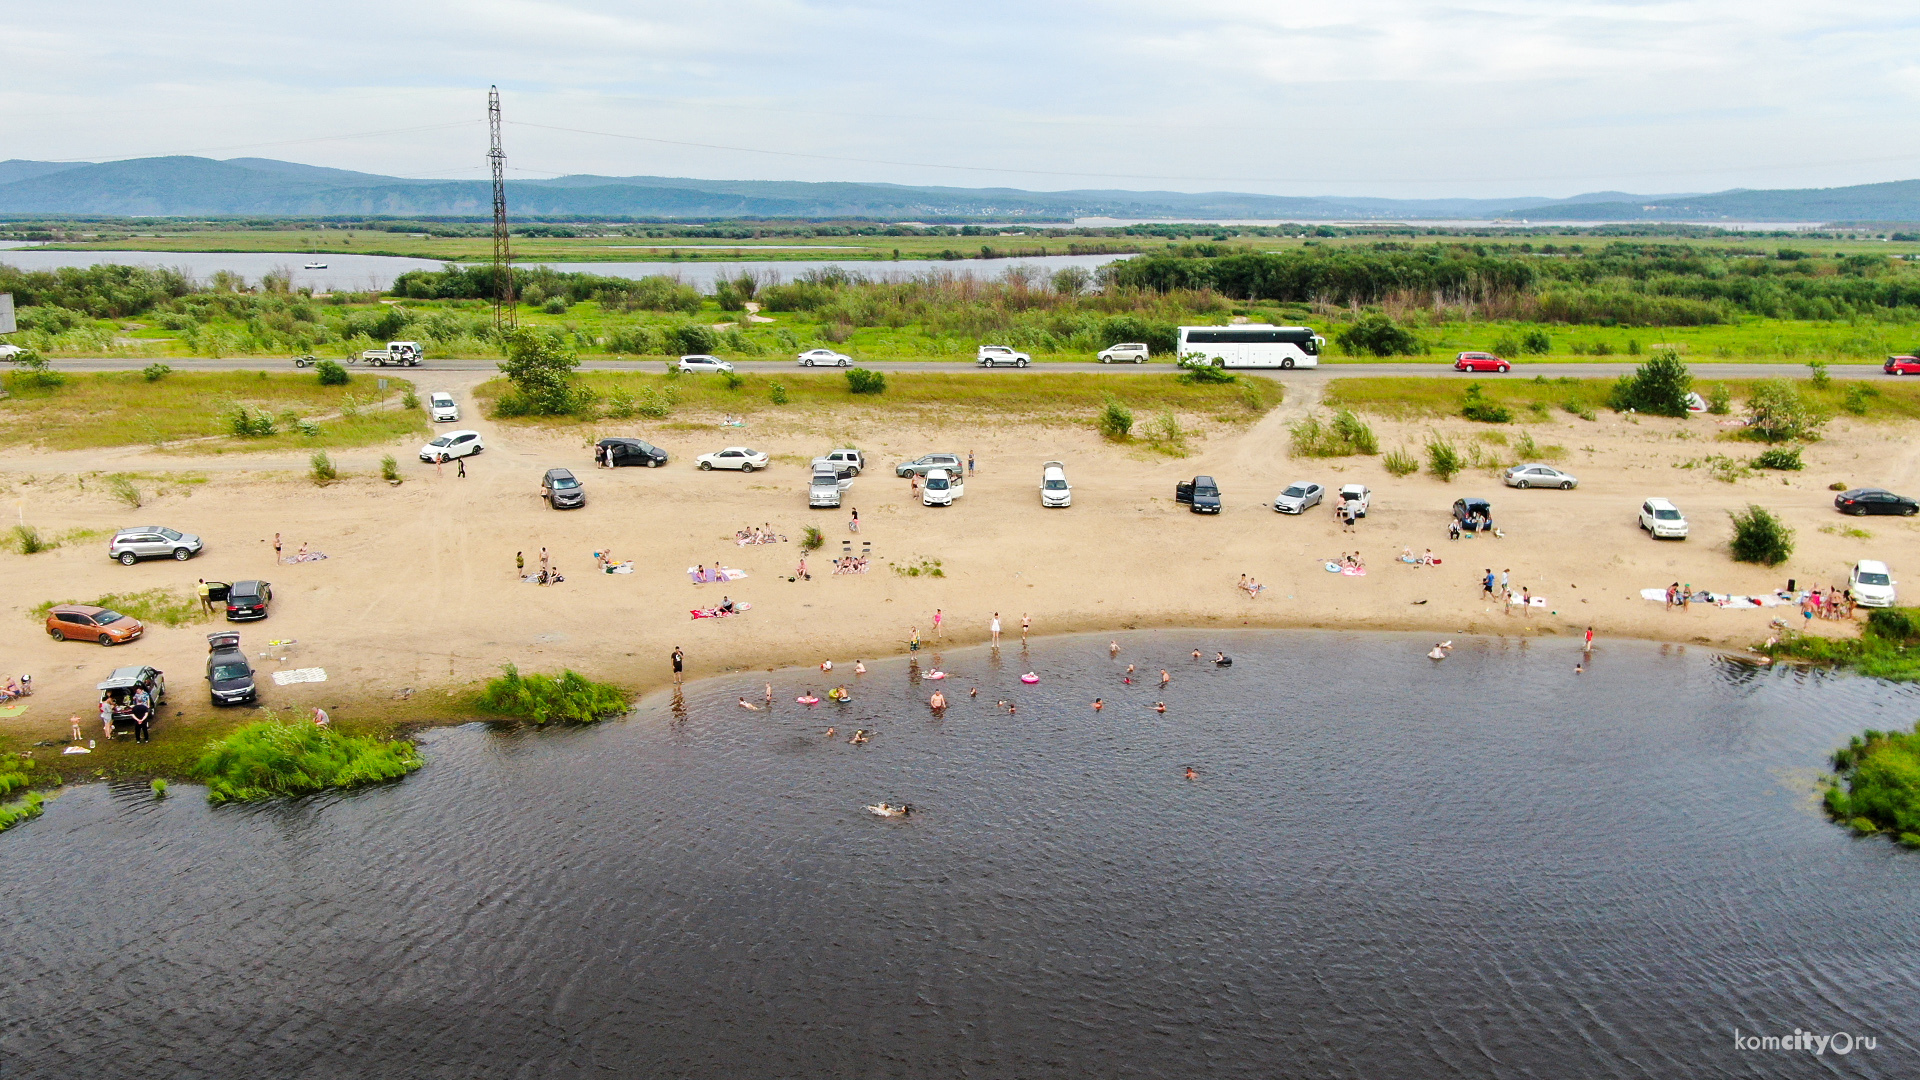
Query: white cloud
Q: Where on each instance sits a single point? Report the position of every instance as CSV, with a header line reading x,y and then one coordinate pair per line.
x,y
1399,97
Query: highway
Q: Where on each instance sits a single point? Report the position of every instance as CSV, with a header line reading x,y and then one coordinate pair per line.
x,y
1607,370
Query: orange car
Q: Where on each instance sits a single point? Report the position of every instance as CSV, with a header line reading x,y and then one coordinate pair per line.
x,y
84,622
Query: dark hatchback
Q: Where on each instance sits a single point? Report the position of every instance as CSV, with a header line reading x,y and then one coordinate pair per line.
x,y
229,675
1874,501
248,600
631,452
562,490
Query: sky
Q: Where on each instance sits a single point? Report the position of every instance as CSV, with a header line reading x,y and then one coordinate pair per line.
x,y
1478,98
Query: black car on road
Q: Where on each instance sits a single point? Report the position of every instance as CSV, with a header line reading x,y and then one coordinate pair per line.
x,y
630,452
1874,501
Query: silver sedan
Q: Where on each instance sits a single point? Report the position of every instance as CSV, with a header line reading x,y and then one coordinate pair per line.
x,y
1299,495
1526,476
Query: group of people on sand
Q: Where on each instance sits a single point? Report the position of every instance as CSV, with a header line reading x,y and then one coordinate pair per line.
x,y
1252,588
1407,556
758,534
1351,562
1816,604
850,564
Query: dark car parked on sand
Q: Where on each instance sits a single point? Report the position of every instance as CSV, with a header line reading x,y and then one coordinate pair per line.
x,y
1473,514
630,452
229,675
248,600
1201,494
562,490
1874,501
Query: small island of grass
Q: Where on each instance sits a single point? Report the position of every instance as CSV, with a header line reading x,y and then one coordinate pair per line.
x,y
269,759
1887,648
540,698
1878,787
14,778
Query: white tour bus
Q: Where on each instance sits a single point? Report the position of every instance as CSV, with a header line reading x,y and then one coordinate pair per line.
x,y
1252,345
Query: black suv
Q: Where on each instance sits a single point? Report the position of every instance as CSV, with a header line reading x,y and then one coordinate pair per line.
x,y
630,452
229,676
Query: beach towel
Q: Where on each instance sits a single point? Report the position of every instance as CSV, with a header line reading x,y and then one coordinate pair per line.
x,y
311,556
299,675
1354,571
623,568
11,711
1659,595
716,613
717,574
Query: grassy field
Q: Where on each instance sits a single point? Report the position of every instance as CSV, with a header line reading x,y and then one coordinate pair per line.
x,y
1023,394
1542,397
125,408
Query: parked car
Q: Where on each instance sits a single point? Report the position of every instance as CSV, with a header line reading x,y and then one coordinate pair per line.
x,y
942,487
248,600
1299,495
1201,494
562,490
733,457
151,542
824,358
442,407
825,486
1001,356
454,444
1872,584
1663,520
1054,489
1532,476
10,352
1356,496
928,463
117,692
1132,352
1473,514
229,675
1480,361
84,622
1902,365
1874,501
845,461
701,362
631,452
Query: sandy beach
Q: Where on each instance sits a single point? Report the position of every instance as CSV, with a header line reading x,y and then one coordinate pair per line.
x,y
418,595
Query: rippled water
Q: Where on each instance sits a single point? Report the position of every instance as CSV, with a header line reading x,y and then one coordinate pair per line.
x,y
1387,868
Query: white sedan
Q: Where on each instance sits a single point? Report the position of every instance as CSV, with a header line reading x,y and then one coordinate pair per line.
x,y
454,444
10,352
824,358
733,457
1526,476
700,362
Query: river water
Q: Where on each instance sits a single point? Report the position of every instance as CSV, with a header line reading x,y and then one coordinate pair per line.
x,y
1387,867
375,273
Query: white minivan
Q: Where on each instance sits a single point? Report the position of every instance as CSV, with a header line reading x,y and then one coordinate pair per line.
x,y
1129,352
942,487
443,409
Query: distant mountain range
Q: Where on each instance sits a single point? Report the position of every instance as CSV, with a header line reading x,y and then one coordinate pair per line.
x,y
202,187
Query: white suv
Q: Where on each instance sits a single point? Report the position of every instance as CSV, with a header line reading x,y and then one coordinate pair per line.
x,y
443,408
1872,584
1001,356
1663,520
1129,353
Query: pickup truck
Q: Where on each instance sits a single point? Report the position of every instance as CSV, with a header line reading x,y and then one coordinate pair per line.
x,y
398,353
1200,493
846,462
1001,356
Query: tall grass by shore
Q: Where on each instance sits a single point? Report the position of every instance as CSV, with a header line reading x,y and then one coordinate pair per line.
x,y
1878,784
270,759
1888,647
541,698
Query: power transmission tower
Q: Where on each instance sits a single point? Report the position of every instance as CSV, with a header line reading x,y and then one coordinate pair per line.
x,y
505,315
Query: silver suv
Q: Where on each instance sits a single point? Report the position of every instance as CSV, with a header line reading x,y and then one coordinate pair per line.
x,y
152,542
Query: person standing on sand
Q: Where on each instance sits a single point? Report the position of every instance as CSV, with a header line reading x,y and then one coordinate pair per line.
x,y
75,721
462,462
276,548
519,564
546,563
679,664
206,596
969,463
994,629
1505,590
1486,584
936,624
854,525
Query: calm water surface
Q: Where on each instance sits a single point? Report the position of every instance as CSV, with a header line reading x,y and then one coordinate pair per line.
x,y
1387,868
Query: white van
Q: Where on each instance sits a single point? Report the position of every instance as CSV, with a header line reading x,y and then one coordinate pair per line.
x,y
442,407
1054,489
942,487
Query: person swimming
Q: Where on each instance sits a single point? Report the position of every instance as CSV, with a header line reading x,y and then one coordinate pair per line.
x,y
1098,704
745,704
1129,669
1159,706
975,692
1191,775
1221,659
1113,648
1196,654
1164,677
859,737
830,733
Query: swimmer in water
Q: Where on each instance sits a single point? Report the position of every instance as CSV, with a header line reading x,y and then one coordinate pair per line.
x,y
937,701
745,704
1196,654
975,692
859,737
1164,677
769,693
1579,669
1129,669
1220,659
1159,706
1113,648
1098,704
1191,775
859,668
830,733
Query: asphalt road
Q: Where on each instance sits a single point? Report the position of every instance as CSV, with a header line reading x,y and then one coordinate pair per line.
x,y
1330,371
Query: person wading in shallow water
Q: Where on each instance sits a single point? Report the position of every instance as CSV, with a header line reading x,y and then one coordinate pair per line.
x,y
679,664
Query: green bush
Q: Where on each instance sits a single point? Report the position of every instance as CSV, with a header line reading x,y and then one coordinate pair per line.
x,y
1400,463
1778,412
1760,537
540,367
1660,386
1720,400
409,399
122,487
1477,407
1443,458
1377,335
321,470
269,759
156,372
28,541
1859,397
1877,786
1344,435
248,423
1579,408
777,393
1196,368
1780,457
1817,374
26,809
810,538
1116,420
389,469
331,373
1537,343
158,787
1898,625
733,379
541,698
863,381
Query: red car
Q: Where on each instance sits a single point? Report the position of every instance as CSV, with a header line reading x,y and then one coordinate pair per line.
x,y
1480,361
1902,365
